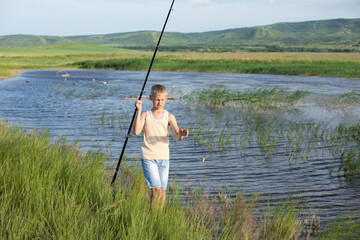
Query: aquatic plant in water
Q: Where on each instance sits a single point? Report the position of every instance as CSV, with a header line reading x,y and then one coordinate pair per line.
x,y
270,133
85,90
349,98
218,95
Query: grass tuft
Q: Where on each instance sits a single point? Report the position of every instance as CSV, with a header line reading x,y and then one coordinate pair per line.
x,y
262,97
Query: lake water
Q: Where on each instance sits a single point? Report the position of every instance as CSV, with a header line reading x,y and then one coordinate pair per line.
x,y
97,115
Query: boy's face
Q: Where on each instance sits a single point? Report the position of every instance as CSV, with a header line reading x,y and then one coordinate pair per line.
x,y
158,100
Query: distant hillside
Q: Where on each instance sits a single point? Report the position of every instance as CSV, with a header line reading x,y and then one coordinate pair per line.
x,y
325,31
340,34
21,40
326,35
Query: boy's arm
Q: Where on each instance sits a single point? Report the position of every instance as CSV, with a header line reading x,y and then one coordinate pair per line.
x,y
179,133
140,118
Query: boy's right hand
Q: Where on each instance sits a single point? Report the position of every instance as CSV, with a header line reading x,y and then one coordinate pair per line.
x,y
138,105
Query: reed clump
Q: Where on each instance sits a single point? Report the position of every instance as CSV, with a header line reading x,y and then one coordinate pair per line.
x,y
217,95
235,217
266,120
82,90
349,137
349,98
345,101
344,226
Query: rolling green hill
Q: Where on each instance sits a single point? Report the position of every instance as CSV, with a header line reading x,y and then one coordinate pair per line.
x,y
21,40
324,35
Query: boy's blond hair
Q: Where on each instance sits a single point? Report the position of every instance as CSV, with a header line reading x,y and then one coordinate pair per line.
x,y
158,89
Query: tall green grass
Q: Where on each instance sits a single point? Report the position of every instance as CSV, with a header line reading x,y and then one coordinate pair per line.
x,y
53,191
343,227
329,68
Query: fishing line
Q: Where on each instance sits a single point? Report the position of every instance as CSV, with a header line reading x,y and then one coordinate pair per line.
x,y
141,93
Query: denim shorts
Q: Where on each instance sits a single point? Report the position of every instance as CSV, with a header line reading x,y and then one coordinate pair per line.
x,y
156,173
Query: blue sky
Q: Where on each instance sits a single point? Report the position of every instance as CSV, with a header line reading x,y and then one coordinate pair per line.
x,y
80,17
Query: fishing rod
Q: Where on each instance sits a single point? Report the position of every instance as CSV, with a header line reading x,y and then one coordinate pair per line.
x,y
141,93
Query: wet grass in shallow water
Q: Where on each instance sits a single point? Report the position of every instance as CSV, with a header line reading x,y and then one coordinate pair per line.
x,y
262,97
75,89
257,120
349,98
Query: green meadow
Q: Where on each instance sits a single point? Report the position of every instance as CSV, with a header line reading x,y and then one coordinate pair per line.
x,y
51,190
57,56
91,56
61,50
334,68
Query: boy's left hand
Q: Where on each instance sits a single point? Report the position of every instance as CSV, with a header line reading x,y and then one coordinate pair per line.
x,y
184,132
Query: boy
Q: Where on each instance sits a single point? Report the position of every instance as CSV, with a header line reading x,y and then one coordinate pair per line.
x,y
155,148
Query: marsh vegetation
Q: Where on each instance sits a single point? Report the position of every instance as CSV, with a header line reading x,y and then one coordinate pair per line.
x,y
327,68
266,119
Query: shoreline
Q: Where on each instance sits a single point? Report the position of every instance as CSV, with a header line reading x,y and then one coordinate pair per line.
x,y
17,72
13,73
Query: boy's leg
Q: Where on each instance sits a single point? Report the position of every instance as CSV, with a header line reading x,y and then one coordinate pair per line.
x,y
158,197
156,173
151,173
155,195
162,198
164,166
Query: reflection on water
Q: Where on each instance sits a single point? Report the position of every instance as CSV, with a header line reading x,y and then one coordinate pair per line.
x,y
93,108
